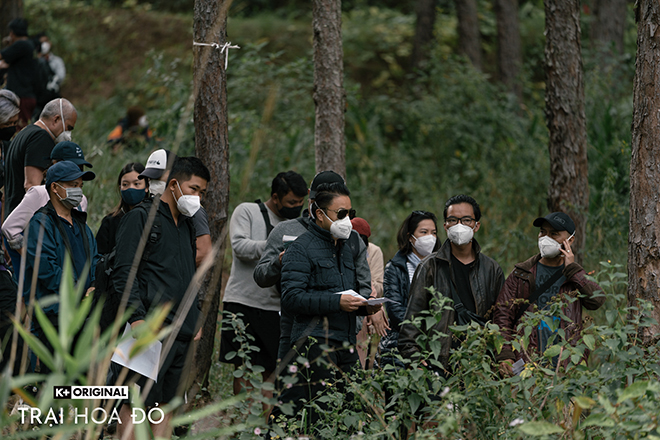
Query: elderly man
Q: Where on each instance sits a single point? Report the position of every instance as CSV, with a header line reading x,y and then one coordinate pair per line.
x,y
29,152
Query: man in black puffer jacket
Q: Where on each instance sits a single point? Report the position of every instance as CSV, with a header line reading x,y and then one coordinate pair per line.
x,y
458,271
317,269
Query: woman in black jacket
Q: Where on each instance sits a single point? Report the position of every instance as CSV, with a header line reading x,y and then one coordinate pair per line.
x,y
417,238
132,190
318,269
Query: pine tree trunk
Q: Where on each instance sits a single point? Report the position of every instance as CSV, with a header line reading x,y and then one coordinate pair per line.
x,y
644,235
329,95
609,24
509,57
212,147
9,10
425,11
564,109
469,42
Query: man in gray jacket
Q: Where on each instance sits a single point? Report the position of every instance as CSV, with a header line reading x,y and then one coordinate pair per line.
x,y
250,225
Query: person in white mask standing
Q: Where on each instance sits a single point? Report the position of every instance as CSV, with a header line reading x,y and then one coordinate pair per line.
x,y
460,272
549,274
417,239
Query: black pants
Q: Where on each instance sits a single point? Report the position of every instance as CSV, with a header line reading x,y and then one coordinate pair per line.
x,y
313,381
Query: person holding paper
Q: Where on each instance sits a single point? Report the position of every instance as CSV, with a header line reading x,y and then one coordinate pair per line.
x,y
163,277
550,273
319,282
458,271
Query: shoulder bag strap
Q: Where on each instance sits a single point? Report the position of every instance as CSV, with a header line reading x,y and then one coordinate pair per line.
x,y
538,292
264,212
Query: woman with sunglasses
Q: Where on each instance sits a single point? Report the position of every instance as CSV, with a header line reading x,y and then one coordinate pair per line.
x,y
318,269
417,238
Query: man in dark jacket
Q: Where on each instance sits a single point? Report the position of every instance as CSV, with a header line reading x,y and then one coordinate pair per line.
x,y
164,276
458,271
64,233
547,275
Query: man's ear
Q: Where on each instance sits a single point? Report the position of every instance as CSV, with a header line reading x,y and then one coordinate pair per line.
x,y
477,226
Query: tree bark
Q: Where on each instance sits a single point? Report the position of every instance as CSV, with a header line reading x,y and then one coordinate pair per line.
x,y
212,147
564,109
609,24
469,42
509,57
329,95
644,231
9,9
425,11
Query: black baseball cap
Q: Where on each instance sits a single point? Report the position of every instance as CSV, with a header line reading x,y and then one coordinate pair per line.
x,y
559,221
66,171
321,178
69,151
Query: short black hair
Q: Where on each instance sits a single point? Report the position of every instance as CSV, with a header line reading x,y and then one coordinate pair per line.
x,y
326,193
19,26
186,167
289,181
408,228
462,198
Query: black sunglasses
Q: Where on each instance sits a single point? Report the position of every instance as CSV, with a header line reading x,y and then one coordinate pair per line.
x,y
341,213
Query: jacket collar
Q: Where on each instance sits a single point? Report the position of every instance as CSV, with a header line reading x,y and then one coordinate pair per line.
x,y
400,259
320,232
444,253
75,213
529,264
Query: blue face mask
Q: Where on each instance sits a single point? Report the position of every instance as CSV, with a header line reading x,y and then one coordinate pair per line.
x,y
132,196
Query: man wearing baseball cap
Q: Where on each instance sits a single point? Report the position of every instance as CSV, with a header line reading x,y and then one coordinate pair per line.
x,y
36,197
551,273
65,232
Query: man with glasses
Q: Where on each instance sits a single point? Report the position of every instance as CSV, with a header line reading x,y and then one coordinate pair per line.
x,y
458,271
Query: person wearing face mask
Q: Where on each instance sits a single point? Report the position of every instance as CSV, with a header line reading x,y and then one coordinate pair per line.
x,y
51,72
163,277
132,190
417,239
28,154
460,272
65,232
317,271
269,269
551,273
35,198
249,227
157,173
132,129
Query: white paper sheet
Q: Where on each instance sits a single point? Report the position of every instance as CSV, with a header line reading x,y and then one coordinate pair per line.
x,y
145,363
371,301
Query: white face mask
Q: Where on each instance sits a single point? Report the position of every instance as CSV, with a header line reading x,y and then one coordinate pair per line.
x,y
187,205
65,135
459,234
157,187
45,47
143,121
424,245
340,229
549,247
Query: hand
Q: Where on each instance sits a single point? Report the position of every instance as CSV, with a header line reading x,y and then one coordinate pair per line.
x,y
90,291
379,322
506,368
350,303
198,336
281,253
3,64
137,323
569,256
371,310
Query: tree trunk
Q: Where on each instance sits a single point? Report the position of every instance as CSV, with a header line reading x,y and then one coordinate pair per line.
x,y
212,147
564,109
508,45
425,11
609,24
469,43
644,235
9,9
329,94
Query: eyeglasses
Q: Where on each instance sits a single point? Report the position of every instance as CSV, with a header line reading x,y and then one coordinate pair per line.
x,y
341,213
467,221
